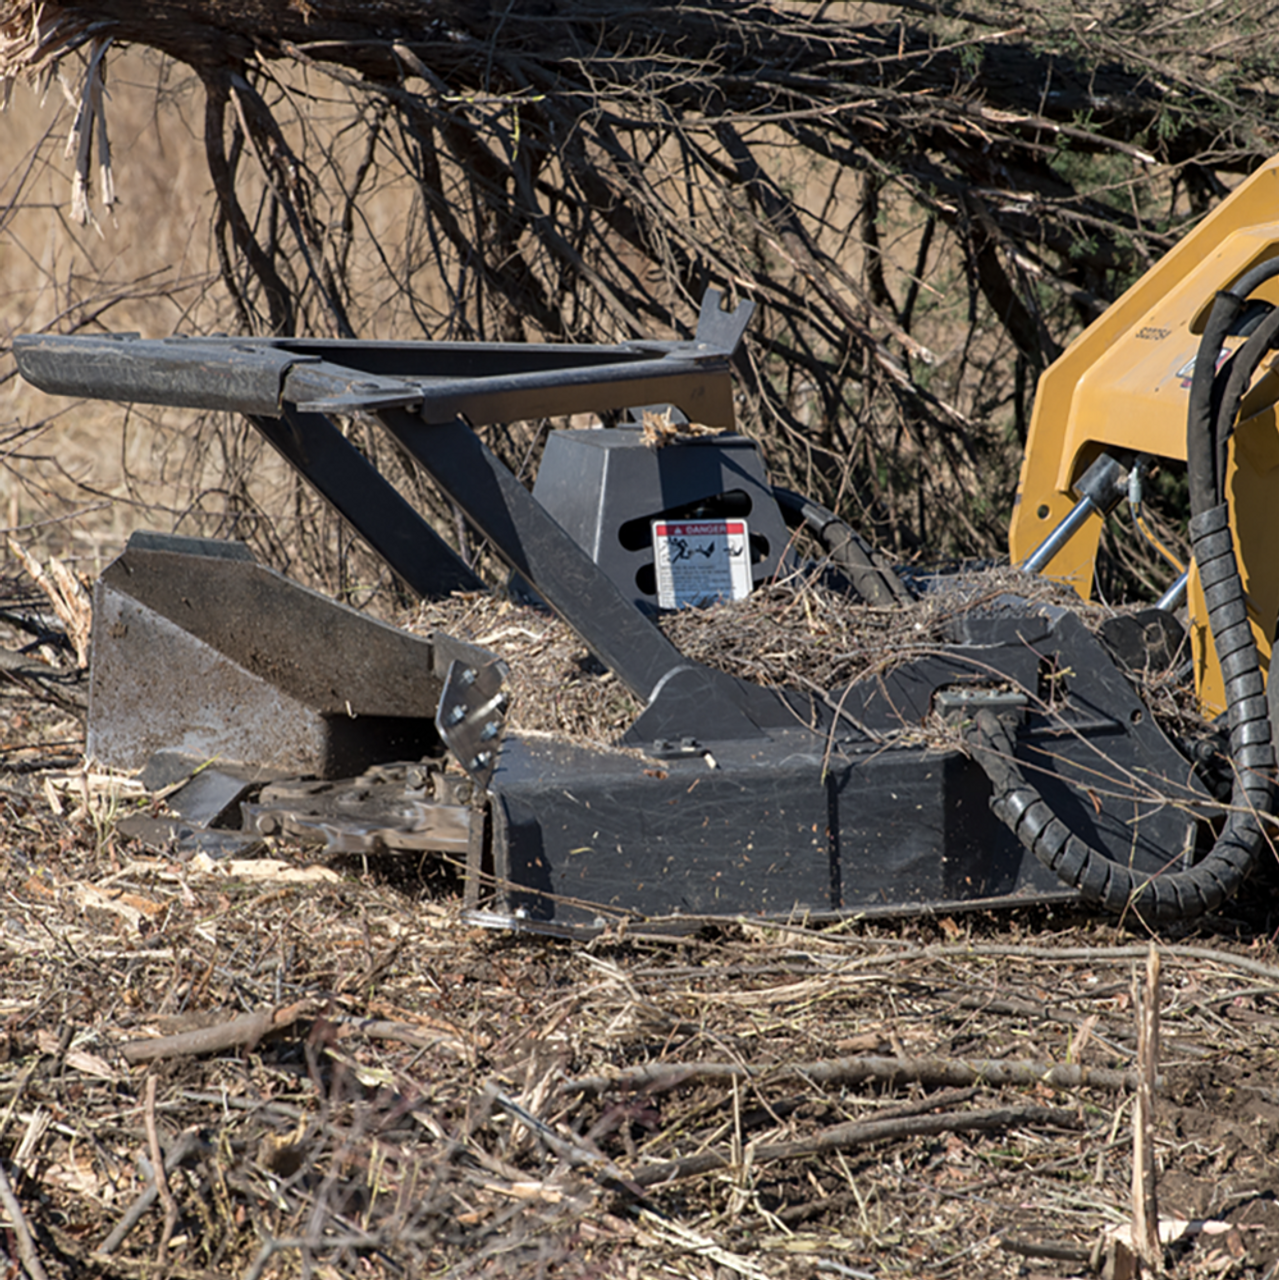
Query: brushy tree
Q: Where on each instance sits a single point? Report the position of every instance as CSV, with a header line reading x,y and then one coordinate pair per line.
x,y
925,199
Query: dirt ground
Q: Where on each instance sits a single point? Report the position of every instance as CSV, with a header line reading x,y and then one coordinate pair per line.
x,y
343,1077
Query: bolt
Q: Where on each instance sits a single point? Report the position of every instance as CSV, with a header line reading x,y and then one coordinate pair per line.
x,y
491,730
456,714
467,676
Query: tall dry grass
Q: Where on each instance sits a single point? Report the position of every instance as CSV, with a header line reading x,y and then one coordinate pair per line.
x,y
77,477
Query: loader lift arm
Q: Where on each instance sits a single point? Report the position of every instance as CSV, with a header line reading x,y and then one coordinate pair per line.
x,y
1124,388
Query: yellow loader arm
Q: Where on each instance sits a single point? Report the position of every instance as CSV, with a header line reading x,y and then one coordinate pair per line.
x,y
1123,388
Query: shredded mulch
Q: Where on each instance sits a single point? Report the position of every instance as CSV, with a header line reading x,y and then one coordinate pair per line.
x,y
341,1077
273,1068
801,632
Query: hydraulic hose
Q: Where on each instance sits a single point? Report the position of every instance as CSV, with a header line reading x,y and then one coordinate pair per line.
x,y
1171,895
876,583
1207,482
1176,895
1236,377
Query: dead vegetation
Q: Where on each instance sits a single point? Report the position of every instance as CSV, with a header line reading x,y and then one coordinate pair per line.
x,y
802,631
269,1067
926,202
341,1079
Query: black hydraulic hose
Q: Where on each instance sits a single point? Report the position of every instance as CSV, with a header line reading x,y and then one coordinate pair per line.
x,y
1201,456
1253,277
875,583
1177,895
1201,460
1237,376
1170,895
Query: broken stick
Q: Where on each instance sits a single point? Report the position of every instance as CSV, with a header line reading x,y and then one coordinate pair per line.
x,y
856,1134
1145,1205
27,1254
929,1071
238,1033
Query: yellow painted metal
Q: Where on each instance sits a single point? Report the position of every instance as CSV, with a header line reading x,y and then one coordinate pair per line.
x,y
1124,385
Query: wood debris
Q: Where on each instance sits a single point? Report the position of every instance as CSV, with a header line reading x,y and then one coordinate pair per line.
x,y
342,1075
661,429
261,1066
799,632
67,594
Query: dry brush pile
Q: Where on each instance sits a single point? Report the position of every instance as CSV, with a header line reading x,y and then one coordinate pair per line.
x,y
271,1067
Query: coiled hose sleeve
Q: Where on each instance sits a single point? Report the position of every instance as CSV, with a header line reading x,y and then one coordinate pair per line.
x,y
1171,895
876,583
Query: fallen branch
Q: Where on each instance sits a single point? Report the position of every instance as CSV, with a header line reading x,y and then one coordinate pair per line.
x,y
238,1033
67,595
45,682
568,1149
22,1232
823,1205
1145,1206
1095,955
162,1188
1057,1250
992,1072
187,1144
382,1029
858,1133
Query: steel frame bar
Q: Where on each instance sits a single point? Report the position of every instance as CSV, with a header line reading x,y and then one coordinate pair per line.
x,y
370,504
429,397
534,545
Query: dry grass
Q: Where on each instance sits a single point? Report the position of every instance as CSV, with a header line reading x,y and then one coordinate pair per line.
x,y
78,478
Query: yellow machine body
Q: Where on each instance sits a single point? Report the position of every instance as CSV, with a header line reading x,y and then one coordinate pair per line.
x,y
1123,386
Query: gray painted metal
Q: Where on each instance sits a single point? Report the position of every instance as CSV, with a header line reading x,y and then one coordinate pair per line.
x,y
199,649
472,716
483,382
603,487
237,374
345,478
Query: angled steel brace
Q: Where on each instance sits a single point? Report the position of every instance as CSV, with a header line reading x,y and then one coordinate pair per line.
x,y
429,397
